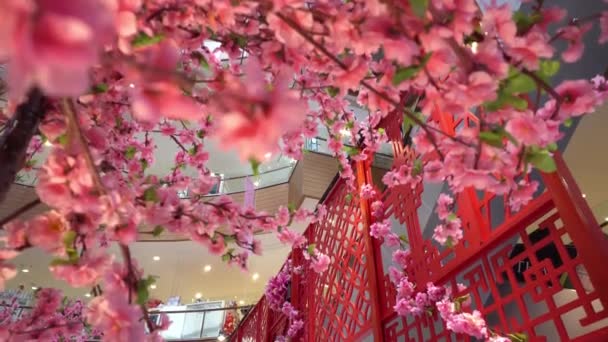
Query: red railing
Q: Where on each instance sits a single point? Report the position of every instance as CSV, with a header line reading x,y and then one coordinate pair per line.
x,y
539,271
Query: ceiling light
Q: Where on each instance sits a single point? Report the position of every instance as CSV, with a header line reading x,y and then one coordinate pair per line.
x,y
605,218
198,295
88,295
131,85
268,155
256,183
255,276
207,268
153,286
584,196
25,270
345,132
48,143
241,302
156,258
34,288
221,338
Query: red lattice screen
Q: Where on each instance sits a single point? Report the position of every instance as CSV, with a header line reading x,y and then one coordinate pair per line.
x,y
539,271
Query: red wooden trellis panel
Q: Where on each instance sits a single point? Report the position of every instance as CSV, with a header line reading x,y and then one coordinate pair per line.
x,y
339,305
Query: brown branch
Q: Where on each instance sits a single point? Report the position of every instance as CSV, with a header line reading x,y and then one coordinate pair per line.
x,y
19,212
179,143
546,87
16,138
70,111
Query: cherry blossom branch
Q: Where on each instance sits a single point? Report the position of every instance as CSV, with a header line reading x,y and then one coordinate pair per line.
x,y
15,140
19,211
546,87
70,111
575,22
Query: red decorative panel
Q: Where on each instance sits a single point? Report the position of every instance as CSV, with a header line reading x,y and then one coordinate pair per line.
x,y
528,271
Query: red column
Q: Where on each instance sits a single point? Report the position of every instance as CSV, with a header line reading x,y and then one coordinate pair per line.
x,y
363,177
591,243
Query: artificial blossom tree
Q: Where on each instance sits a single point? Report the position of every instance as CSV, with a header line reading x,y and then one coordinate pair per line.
x,y
96,77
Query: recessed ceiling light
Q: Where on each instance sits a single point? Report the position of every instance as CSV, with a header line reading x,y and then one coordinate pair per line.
x,y
207,268
221,338
153,286
268,155
255,276
256,183
241,302
584,196
25,270
48,143
34,288
198,295
88,295
156,258
605,218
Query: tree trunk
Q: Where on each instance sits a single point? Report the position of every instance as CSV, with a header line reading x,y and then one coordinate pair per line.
x,y
16,138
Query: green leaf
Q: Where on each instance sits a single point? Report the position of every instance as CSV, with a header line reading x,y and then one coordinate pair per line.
x,y
228,255
158,230
541,159
518,337
552,147
548,68
405,73
62,140
130,152
150,194
452,217
255,166
568,122
417,169
492,138
525,21
332,91
419,7
193,150
348,198
292,208
204,62
144,164
61,262
142,292
351,151
142,39
100,88
311,249
404,239
519,84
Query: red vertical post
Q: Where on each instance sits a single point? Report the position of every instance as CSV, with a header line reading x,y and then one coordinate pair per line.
x,y
363,177
591,244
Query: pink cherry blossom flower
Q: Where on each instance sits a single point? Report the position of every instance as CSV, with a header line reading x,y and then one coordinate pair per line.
x,y
444,203
578,98
402,257
283,216
392,240
86,272
367,191
573,34
254,118
450,231
522,195
320,262
292,238
38,37
156,94
380,229
46,231
119,320
471,324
